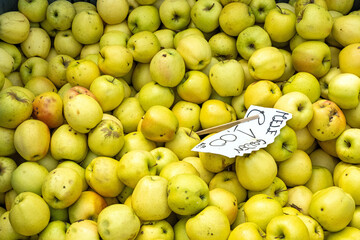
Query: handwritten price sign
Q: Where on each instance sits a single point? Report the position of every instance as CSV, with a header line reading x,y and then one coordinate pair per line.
x,y
248,136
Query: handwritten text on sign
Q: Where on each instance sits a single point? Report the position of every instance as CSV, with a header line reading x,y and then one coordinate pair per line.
x,y
248,136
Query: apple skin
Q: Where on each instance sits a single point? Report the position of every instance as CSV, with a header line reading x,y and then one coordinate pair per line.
x,y
175,14
320,178
161,229
82,72
91,34
60,14
7,147
205,15
55,229
15,27
215,112
145,17
35,11
66,44
347,147
129,112
263,93
299,197
348,59
57,69
143,46
188,114
288,226
343,89
343,31
152,93
37,44
110,64
246,230
223,46
112,12
84,229
7,166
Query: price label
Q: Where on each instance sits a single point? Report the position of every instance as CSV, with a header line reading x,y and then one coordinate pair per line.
x,y
249,136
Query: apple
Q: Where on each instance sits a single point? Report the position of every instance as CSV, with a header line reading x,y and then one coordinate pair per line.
x,y
159,124
70,92
209,117
28,177
118,221
82,6
7,166
299,105
180,229
33,67
348,62
55,229
247,230
67,143
286,18
9,199
332,207
175,168
185,33
14,51
165,37
112,12
161,229
39,85
111,64
135,141
85,229
205,15
346,147
339,91
342,30
313,57
320,178
287,226
355,219
188,114
223,47
144,18
195,51
304,139
15,27
321,158
35,11
82,72
347,232
91,34
37,44
175,14
328,120
268,90
299,5
325,80
129,112
235,17
6,230
60,14
50,29
266,63
261,9
141,75
77,168
115,37
66,44
152,93
57,69
30,214
163,157
7,147
7,62
143,46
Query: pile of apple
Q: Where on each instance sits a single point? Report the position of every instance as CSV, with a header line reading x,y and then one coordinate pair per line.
x,y
101,106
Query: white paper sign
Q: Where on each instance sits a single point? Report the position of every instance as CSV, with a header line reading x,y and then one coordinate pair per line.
x,y
248,136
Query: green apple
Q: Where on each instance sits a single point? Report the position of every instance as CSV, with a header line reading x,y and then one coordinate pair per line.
x,y
57,69
195,50
210,223
129,112
141,75
263,93
55,229
338,170
88,206
325,80
195,87
14,51
296,170
33,67
39,85
188,114
66,44
348,59
346,146
355,219
185,33
175,14
115,37
249,167
247,230
351,116
50,29
37,44
101,175
235,17
134,165
341,93
261,208
163,157
314,228
184,141
215,162
112,12
180,229
30,214
347,232
348,181
303,82
328,120
6,230
35,11
289,68
144,18
251,39
7,147
266,63
152,93
79,169
205,15
159,124
48,162
165,37
287,227
48,108
111,64
314,22
187,194
261,8
6,63
147,205
332,207
118,221
135,141
161,229
90,34
223,46
343,30
299,105
220,75
82,113
304,139
286,18
321,158
143,46
7,166
320,178
15,27
209,117
276,190
67,143
299,5
28,177
60,14
82,6
226,201
85,229
284,145
313,57
205,174
23,139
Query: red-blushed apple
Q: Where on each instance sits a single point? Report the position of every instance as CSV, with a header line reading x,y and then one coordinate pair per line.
x,y
48,108
76,90
328,120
